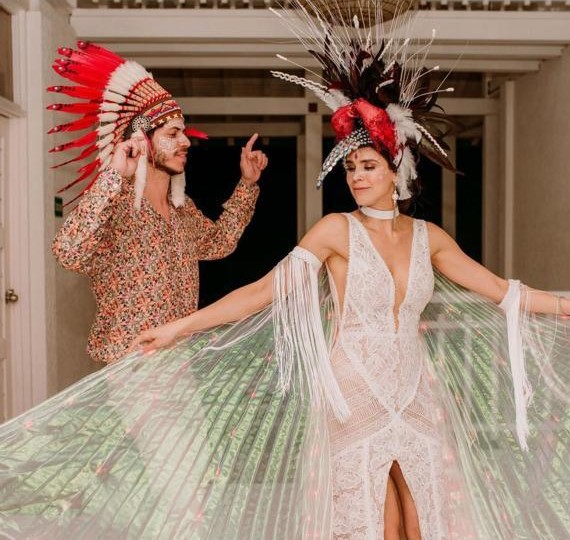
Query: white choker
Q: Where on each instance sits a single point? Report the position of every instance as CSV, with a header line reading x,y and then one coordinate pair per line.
x,y
379,214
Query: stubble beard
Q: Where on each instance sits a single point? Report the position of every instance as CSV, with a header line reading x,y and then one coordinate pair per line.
x,y
160,164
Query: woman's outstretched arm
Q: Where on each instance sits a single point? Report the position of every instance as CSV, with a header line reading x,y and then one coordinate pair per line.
x,y
453,263
246,300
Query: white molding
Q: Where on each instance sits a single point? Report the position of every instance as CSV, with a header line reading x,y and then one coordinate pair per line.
x,y
26,209
313,154
14,6
260,24
137,50
434,5
492,224
21,337
36,215
271,62
240,106
9,109
508,98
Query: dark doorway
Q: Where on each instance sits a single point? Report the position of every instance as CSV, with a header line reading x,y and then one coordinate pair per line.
x,y
469,224
212,172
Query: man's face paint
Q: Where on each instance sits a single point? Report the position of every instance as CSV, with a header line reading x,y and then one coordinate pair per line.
x,y
170,147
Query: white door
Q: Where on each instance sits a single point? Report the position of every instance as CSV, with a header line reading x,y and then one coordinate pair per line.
x,y
5,296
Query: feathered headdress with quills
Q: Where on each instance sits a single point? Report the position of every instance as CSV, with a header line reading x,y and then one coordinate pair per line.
x,y
116,98
376,85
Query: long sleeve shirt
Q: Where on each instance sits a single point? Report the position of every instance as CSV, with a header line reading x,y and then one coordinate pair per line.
x,y
143,268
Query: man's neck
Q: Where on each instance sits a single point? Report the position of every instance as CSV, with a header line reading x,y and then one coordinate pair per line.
x,y
156,190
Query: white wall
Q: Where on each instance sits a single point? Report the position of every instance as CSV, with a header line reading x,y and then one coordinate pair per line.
x,y
69,298
542,176
60,303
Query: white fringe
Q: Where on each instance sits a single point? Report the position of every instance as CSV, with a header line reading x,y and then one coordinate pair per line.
x,y
178,190
140,181
511,305
300,344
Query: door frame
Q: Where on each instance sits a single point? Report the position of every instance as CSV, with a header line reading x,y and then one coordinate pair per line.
x,y
27,344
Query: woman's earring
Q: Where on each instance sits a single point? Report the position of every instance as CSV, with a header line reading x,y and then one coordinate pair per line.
x,y
396,210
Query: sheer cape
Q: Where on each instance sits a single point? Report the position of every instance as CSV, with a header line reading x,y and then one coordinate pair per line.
x,y
224,435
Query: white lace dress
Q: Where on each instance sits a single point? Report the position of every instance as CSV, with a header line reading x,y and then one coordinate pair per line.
x,y
381,368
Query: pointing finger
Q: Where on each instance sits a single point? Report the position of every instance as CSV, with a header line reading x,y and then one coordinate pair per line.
x,y
251,142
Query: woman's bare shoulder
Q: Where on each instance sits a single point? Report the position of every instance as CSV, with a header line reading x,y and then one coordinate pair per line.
x,y
438,238
328,236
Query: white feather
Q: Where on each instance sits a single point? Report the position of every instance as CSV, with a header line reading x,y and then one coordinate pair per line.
x,y
109,95
105,163
106,152
404,124
335,99
102,143
406,174
178,190
109,106
108,117
140,181
106,129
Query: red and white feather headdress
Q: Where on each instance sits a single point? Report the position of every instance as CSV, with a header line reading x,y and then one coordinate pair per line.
x,y
115,98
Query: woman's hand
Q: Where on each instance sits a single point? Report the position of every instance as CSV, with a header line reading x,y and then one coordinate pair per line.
x,y
252,162
127,153
161,336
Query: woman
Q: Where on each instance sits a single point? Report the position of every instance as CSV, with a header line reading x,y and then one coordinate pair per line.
x,y
390,453
383,279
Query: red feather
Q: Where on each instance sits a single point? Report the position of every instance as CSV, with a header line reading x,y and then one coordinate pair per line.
x,y
75,108
86,188
377,123
82,141
87,121
93,80
192,132
105,63
82,92
85,171
87,152
92,49
342,121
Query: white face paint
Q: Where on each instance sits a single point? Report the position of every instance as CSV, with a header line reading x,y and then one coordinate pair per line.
x,y
172,136
171,146
166,144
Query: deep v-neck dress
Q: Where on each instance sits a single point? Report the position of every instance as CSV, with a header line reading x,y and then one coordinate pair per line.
x,y
382,372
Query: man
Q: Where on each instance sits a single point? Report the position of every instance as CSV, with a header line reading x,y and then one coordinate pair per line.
x,y
139,242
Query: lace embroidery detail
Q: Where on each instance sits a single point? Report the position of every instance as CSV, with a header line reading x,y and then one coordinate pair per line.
x,y
381,370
